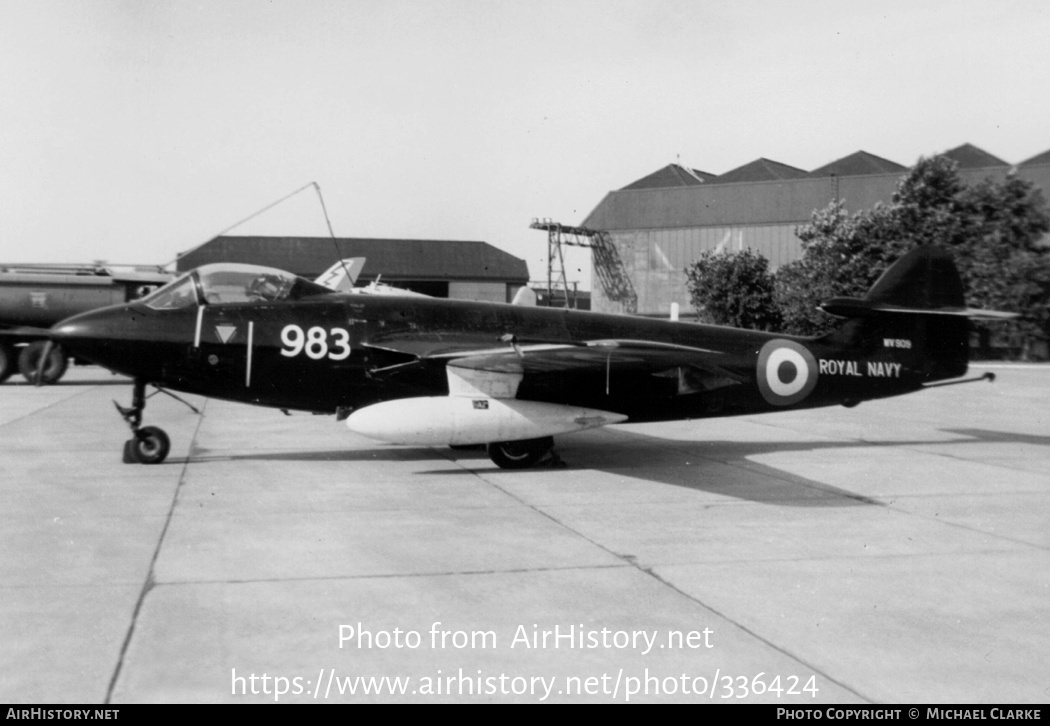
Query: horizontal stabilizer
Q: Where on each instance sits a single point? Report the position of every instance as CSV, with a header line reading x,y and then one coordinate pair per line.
x,y
925,281
851,307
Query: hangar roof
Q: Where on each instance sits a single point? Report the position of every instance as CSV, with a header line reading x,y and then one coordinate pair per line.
x,y
672,175
394,259
969,156
766,192
1043,158
759,170
788,201
859,163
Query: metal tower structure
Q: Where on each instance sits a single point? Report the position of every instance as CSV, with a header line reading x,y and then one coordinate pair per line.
x,y
608,265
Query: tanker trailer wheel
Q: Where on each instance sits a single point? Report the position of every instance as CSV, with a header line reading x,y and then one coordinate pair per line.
x,y
8,361
54,366
519,454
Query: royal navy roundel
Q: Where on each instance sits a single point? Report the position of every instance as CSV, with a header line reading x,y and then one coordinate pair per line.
x,y
787,372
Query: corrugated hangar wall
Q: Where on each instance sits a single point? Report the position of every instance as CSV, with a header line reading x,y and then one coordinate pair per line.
x,y
659,232
656,259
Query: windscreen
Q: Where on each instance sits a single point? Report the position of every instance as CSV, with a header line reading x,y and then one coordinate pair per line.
x,y
179,293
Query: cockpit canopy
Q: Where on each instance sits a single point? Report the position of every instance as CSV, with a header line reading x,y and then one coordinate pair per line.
x,y
228,282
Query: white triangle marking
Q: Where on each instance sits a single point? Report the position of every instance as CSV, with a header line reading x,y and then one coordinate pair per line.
x,y
226,332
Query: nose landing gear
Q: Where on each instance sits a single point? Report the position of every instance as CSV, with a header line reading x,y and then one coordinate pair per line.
x,y
149,444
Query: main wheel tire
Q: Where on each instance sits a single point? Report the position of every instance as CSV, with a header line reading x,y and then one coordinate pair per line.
x,y
150,445
54,367
8,361
519,454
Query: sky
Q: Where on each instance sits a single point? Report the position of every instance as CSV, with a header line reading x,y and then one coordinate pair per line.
x,y
133,130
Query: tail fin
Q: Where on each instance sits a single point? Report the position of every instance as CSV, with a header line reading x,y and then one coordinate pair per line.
x,y
918,307
342,275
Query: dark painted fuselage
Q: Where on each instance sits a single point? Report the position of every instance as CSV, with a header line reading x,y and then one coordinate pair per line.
x,y
344,351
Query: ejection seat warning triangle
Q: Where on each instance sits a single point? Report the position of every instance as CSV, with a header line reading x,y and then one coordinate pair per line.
x,y
225,332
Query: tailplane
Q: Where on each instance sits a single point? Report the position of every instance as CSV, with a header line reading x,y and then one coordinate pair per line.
x,y
918,305
924,280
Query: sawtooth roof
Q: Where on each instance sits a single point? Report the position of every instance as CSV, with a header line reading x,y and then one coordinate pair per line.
x,y
394,259
761,203
768,192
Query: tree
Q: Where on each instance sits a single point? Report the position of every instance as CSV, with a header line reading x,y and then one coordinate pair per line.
x,y
1002,262
993,228
843,255
733,289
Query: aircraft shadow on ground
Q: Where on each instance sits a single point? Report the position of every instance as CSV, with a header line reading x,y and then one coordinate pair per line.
x,y
1000,437
711,467
382,452
714,467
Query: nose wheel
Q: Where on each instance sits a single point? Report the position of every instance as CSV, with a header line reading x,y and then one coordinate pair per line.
x,y
148,444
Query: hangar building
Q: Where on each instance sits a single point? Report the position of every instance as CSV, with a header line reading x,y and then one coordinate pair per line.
x,y
457,269
659,224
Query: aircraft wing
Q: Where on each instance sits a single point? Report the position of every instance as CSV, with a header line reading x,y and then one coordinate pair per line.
x,y
596,354
534,359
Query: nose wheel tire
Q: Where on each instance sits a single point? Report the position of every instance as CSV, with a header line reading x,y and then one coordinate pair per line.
x,y
149,445
519,454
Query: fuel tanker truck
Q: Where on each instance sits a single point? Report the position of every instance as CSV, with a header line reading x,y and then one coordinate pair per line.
x,y
35,297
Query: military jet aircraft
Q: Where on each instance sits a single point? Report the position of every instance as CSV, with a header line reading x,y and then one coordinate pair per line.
x,y
435,372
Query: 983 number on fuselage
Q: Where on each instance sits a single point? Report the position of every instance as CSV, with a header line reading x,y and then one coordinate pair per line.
x,y
242,354
315,342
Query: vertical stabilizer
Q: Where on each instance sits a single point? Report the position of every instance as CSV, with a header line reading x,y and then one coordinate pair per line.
x,y
925,278
917,305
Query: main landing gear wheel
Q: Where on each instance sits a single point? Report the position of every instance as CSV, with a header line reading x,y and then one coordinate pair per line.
x,y
149,445
519,454
53,368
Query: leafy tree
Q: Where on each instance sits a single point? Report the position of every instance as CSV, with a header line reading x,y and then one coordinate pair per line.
x,y
843,255
924,209
733,288
993,228
1002,262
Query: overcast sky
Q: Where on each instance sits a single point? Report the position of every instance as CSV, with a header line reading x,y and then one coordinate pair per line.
x,y
136,129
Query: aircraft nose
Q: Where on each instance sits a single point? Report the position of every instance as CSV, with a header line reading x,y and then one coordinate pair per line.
x,y
90,326
105,337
